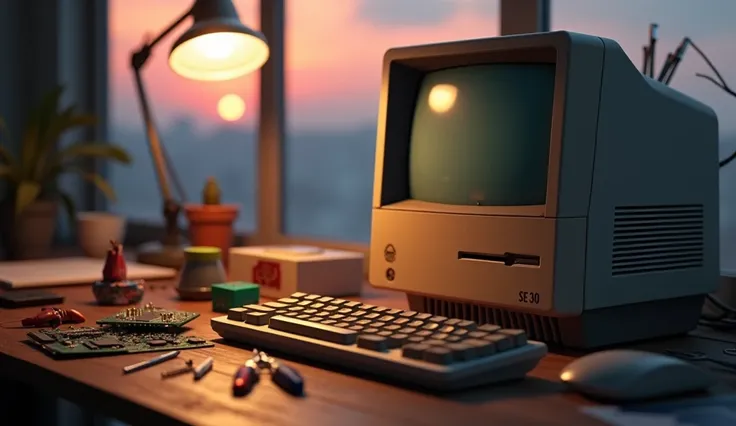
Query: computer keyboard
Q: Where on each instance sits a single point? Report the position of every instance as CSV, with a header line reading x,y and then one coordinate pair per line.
x,y
420,349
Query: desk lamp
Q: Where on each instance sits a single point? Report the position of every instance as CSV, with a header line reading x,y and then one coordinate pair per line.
x,y
216,47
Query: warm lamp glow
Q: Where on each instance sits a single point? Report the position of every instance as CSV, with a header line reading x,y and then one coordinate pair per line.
x,y
442,98
218,56
231,107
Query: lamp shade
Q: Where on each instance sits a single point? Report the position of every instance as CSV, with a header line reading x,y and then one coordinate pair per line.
x,y
217,46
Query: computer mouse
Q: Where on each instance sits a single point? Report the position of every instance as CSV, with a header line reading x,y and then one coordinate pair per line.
x,y
630,375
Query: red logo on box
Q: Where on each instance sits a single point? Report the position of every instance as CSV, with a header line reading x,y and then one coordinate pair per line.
x,y
267,274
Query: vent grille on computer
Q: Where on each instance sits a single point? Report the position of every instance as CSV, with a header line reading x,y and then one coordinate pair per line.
x,y
657,238
538,327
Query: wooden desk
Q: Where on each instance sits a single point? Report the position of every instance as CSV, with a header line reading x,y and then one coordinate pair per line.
x,y
333,398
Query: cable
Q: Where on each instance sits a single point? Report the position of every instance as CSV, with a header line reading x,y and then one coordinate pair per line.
x,y
721,321
720,82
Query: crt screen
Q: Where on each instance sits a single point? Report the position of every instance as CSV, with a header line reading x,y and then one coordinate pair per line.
x,y
481,135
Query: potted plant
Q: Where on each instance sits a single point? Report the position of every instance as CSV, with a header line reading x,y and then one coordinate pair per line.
x,y
211,223
28,210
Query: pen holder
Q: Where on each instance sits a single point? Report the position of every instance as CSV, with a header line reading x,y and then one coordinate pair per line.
x,y
202,268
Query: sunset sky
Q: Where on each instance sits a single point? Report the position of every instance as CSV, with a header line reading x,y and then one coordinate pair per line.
x,y
335,48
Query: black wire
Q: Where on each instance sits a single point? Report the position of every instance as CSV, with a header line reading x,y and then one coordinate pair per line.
x,y
721,83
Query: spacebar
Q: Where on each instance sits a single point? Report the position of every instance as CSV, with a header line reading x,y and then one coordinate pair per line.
x,y
314,330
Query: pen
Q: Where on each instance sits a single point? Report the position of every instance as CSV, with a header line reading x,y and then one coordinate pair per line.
x,y
203,368
151,362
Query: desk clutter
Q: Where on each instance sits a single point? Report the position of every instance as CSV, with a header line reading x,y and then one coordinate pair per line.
x,y
133,330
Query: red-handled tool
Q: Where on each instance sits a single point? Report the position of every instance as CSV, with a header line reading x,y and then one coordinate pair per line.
x,y
245,378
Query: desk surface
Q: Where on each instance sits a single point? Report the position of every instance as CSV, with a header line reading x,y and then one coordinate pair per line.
x,y
332,397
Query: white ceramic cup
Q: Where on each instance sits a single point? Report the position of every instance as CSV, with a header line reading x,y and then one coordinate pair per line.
x,y
96,229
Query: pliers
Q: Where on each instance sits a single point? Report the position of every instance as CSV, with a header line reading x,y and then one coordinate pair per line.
x,y
249,374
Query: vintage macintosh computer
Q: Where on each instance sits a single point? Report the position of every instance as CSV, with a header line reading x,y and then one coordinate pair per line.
x,y
542,182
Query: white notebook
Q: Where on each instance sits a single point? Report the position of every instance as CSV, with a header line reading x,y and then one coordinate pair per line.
x,y
69,271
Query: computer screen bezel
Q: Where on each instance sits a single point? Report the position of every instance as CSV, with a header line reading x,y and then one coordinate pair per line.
x,y
397,101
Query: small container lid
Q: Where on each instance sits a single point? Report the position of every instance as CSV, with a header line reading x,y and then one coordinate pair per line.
x,y
202,254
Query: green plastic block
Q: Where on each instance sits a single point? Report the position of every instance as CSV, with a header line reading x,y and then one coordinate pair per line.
x,y
234,295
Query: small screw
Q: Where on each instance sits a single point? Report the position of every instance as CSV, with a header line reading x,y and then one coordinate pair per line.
x,y
178,371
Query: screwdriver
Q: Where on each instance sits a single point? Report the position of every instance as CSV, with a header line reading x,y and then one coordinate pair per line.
x,y
245,378
287,379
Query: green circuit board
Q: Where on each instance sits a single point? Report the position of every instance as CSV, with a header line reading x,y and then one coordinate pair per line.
x,y
79,342
149,316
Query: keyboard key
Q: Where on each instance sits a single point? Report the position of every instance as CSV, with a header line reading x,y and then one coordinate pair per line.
x,y
325,299
453,339
345,311
408,314
236,314
434,342
310,311
372,342
438,355
518,337
371,330
489,328
280,311
305,303
356,327
289,300
328,322
367,307
363,322
352,305
453,321
317,305
462,351
257,318
438,319
384,333
468,325
397,340
259,308
415,324
323,314
380,309
407,330
501,342
386,318
309,297
392,327
423,333
477,334
393,311
291,314
414,350
324,332
296,308
423,316
304,316
482,347
378,324
336,317
331,309
431,326
447,329
298,295
461,332
416,339
359,313
342,325
350,319
316,319
371,316
439,336
276,305
401,321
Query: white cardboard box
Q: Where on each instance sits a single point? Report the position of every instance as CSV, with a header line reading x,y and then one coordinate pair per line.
x,y
283,270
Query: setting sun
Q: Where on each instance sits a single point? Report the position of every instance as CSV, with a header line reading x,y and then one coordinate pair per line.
x,y
231,107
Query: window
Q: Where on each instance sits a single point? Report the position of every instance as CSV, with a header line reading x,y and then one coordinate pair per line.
x,y
199,123
710,26
334,56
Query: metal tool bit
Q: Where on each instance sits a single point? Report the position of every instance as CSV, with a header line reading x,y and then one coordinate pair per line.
x,y
179,371
151,362
203,368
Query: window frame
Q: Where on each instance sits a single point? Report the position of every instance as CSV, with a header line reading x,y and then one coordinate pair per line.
x,y
515,16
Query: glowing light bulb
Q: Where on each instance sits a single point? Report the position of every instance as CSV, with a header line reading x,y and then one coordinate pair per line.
x,y
216,45
231,107
442,97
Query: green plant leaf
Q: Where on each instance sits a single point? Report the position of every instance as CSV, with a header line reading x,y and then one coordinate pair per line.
x,y
95,150
65,121
69,206
38,123
26,193
97,180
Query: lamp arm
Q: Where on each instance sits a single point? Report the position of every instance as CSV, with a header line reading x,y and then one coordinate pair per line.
x,y
164,168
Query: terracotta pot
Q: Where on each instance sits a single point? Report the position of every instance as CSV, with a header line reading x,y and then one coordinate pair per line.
x,y
30,234
212,226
